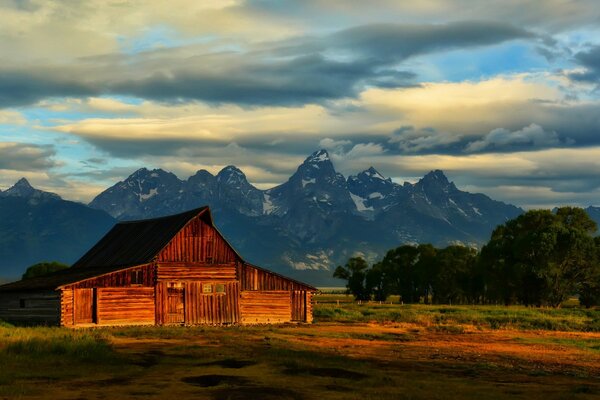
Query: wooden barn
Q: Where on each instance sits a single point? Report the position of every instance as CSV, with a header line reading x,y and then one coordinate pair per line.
x,y
171,270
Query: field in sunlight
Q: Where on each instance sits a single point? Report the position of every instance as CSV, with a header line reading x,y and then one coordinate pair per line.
x,y
351,352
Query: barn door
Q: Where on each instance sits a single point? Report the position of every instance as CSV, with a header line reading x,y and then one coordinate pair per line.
x,y
298,305
84,306
175,306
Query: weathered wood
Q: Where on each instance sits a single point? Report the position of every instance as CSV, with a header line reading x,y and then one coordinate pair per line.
x,y
160,293
186,271
298,305
84,305
265,307
198,242
254,278
119,306
119,278
215,308
66,307
309,307
29,307
175,306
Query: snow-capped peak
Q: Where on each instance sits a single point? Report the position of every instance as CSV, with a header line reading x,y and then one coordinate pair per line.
x,y
231,175
373,173
318,157
22,188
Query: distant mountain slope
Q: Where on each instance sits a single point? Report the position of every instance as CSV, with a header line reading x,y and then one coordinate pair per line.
x,y
39,226
317,218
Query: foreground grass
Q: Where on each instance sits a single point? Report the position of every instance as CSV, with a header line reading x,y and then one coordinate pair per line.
x,y
351,352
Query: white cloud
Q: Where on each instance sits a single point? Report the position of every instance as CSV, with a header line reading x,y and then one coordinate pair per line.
x,y
500,138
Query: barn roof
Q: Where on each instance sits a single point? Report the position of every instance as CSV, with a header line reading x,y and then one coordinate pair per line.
x,y
56,279
135,242
127,244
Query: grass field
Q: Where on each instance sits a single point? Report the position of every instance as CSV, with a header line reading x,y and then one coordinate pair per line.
x,y
351,352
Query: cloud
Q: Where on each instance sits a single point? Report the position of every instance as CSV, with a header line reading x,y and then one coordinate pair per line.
x,y
410,140
26,157
285,72
501,138
590,60
11,117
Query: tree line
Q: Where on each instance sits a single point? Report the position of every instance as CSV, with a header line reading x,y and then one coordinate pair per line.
x,y
540,258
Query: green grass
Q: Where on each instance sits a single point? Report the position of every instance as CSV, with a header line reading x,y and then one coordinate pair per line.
x,y
494,317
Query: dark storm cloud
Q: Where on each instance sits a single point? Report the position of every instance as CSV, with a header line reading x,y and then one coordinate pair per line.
x,y
590,60
19,88
300,71
26,157
389,43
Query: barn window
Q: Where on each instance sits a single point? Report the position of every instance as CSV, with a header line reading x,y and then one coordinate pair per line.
x,y
137,277
22,303
207,288
220,288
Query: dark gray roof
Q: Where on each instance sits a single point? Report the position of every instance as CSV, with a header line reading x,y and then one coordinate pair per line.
x,y
135,242
56,279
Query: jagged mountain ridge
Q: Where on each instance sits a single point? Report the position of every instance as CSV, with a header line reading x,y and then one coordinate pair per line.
x,y
39,226
317,218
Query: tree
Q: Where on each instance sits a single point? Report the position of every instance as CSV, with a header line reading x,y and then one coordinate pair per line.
x,y
541,257
355,273
454,280
399,272
589,291
426,270
43,268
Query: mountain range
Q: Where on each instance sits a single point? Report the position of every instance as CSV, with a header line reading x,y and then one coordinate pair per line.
x,y
304,227
40,226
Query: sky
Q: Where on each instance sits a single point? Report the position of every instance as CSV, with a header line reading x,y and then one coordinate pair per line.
x,y
502,95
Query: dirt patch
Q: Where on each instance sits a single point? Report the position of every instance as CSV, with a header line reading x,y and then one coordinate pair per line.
x,y
338,388
254,393
325,372
230,363
149,359
116,381
215,380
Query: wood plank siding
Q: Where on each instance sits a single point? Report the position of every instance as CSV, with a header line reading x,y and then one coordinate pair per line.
x,y
255,278
174,270
143,275
265,307
121,306
31,307
198,242
184,271
66,307
217,307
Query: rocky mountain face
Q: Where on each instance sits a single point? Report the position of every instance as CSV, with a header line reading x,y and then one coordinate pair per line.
x,y
318,218
39,226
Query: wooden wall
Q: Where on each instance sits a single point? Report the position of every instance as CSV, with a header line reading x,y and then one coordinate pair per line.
x,y
253,278
182,271
198,242
199,308
66,307
120,306
265,307
211,308
30,307
309,308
